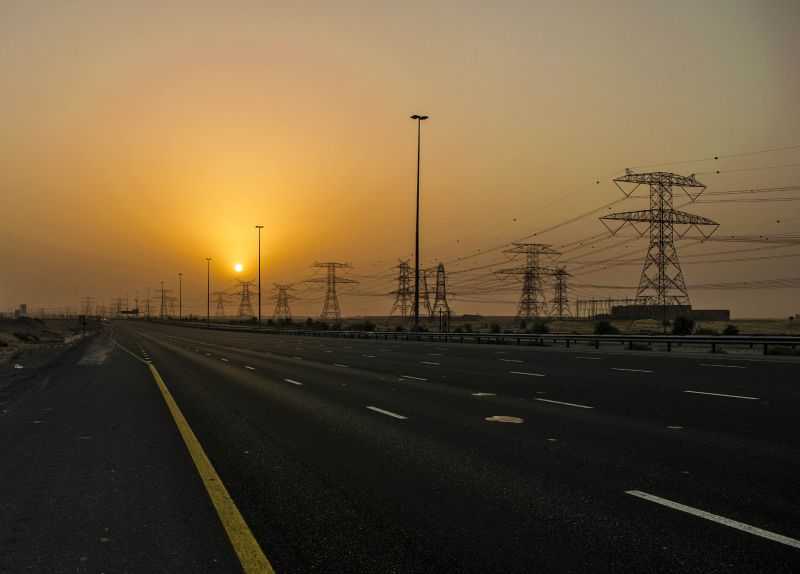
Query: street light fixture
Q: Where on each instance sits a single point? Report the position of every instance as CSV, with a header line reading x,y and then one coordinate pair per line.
x,y
259,227
180,296
419,119
208,290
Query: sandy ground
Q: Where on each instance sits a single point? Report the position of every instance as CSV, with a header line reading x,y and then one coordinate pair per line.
x,y
22,336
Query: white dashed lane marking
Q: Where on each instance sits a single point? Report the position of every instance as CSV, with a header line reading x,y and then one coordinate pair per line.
x,y
249,367
387,413
631,370
415,378
510,360
723,366
566,404
721,395
293,381
527,374
716,518
428,363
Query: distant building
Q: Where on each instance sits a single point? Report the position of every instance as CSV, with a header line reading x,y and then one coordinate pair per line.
x,y
23,309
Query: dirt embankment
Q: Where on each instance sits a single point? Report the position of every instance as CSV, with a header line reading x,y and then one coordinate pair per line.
x,y
22,336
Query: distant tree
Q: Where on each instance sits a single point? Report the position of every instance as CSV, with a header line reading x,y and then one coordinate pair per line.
x,y
494,328
682,325
731,330
539,327
605,328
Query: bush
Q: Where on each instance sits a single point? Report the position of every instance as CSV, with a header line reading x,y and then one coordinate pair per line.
x,y
539,327
468,327
731,330
458,329
495,328
682,326
605,328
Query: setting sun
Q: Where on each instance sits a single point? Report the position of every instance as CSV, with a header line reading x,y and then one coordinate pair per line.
x,y
238,267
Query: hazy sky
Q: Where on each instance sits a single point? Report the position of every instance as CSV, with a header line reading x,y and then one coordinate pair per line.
x,y
139,138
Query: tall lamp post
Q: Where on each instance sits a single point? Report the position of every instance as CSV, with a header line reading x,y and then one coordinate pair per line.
x,y
419,119
208,290
180,296
259,227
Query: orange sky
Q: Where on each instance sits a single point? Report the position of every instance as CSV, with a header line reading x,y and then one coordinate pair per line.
x,y
139,138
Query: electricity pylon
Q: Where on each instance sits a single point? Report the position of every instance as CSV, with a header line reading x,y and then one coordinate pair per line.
x,y
282,311
424,293
404,295
661,283
330,310
245,305
440,302
560,300
220,308
532,301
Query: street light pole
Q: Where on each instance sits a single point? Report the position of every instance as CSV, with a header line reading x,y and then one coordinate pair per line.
x,y
180,296
208,290
419,119
259,227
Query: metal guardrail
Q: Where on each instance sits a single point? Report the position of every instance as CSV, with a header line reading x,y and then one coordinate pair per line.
x,y
568,339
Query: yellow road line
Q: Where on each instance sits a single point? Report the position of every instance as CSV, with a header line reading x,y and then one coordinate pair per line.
x,y
250,555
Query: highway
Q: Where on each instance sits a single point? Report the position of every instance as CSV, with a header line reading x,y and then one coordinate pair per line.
x,y
348,455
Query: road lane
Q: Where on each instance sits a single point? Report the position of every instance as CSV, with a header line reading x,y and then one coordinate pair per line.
x,y
558,457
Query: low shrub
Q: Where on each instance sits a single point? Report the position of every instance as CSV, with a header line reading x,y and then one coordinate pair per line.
x,y
539,327
705,331
731,330
682,326
605,328
783,351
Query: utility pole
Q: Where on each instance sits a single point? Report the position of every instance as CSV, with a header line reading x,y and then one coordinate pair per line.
x,y
282,311
245,306
148,303
420,119
561,301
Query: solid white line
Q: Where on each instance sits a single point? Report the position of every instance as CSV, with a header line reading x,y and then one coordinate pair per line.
x,y
529,374
428,363
415,378
631,370
369,356
723,366
387,413
560,403
249,367
718,519
721,395
591,358
510,360
293,382
343,366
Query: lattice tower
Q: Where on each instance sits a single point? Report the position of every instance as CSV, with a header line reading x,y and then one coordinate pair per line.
x,y
245,304
440,302
661,283
330,309
404,295
532,301
561,299
282,299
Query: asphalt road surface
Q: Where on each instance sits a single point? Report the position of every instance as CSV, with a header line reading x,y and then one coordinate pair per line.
x,y
347,455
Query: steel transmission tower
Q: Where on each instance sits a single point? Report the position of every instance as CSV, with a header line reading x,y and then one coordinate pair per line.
x,y
330,310
662,281
424,292
440,301
220,308
404,296
282,299
560,300
245,305
532,301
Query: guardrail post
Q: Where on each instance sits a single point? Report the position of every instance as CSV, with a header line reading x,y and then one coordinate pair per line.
x,y
713,348
765,348
630,345
567,342
669,346
597,343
